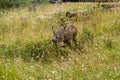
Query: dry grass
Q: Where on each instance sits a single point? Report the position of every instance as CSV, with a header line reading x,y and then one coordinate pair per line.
x,y
27,53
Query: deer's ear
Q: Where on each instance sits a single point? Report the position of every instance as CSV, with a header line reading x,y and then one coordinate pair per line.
x,y
53,30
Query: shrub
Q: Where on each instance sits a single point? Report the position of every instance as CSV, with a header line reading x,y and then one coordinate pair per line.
x,y
17,3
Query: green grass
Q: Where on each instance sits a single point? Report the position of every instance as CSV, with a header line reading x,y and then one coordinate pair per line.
x,y
27,52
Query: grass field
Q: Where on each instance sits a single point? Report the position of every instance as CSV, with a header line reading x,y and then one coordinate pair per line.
x,y
27,52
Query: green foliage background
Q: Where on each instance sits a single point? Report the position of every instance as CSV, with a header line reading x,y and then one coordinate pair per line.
x,y
17,3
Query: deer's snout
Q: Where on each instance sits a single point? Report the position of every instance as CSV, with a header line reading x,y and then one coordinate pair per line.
x,y
54,39
62,44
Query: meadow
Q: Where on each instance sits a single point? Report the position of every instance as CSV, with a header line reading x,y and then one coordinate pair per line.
x,y
27,51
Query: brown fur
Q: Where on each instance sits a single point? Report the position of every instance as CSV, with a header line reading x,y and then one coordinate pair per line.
x,y
64,35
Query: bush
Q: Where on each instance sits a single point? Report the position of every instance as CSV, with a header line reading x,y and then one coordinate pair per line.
x,y
17,3
12,3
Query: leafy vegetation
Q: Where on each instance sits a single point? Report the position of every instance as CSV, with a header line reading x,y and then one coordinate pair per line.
x,y
17,3
27,52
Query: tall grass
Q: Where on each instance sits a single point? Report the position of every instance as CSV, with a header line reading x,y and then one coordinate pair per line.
x,y
27,52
